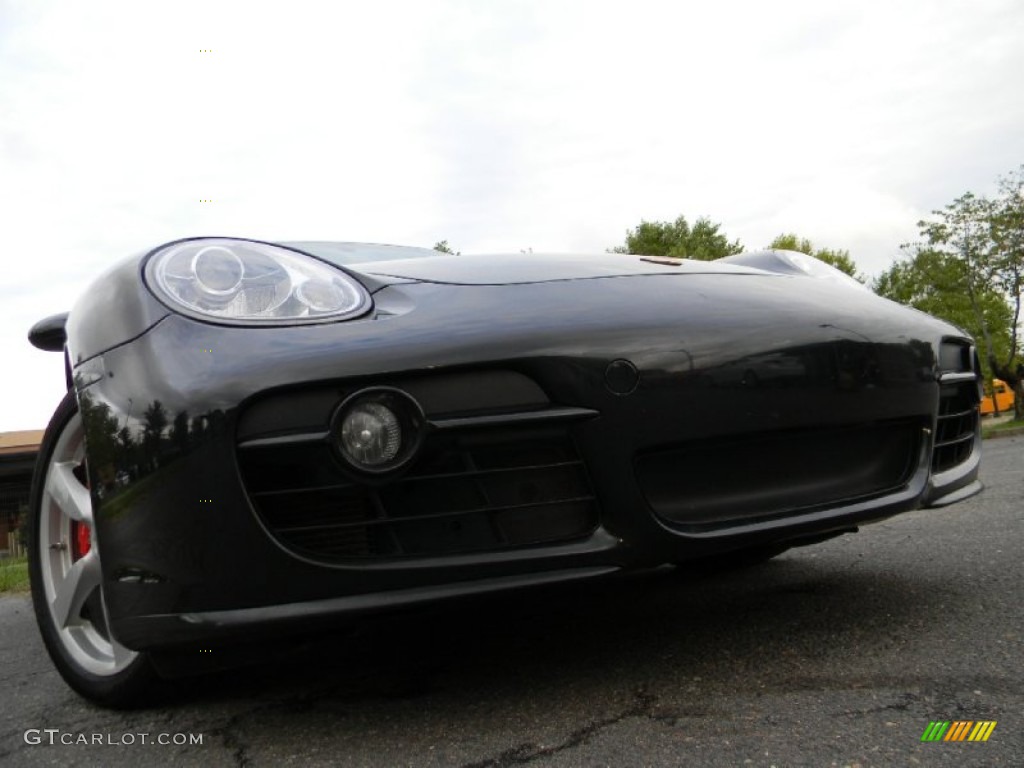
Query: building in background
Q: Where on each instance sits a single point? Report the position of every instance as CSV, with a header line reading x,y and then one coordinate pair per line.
x,y
17,459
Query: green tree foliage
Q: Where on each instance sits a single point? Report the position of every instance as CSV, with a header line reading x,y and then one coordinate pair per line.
x,y
841,260
703,241
101,426
155,418
155,421
932,281
198,429
179,431
1007,231
968,269
443,247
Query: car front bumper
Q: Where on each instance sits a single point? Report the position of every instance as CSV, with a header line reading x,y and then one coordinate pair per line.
x,y
195,430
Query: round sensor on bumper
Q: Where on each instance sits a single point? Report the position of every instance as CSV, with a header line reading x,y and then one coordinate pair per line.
x,y
377,430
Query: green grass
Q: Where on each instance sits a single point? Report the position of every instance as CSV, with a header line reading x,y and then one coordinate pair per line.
x,y
986,430
13,574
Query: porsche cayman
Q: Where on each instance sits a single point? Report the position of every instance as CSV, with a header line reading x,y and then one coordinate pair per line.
x,y
257,436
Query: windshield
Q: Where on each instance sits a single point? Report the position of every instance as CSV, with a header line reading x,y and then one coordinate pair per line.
x,y
359,253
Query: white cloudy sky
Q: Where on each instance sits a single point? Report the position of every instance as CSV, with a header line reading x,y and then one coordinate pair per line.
x,y
495,125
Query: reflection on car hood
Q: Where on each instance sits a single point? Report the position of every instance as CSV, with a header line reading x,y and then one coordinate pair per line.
x,y
505,269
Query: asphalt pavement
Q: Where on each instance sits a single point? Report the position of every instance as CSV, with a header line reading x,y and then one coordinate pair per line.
x,y
839,654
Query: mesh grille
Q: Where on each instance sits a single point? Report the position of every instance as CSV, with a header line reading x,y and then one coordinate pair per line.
x,y
709,484
470,493
956,425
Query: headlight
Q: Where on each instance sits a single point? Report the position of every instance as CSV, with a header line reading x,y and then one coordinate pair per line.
x,y
243,281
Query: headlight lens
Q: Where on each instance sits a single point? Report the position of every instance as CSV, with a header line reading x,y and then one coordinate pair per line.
x,y
243,281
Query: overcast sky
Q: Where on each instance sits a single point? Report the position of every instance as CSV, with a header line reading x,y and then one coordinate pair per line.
x,y
495,125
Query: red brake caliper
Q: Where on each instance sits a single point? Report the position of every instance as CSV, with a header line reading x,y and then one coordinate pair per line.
x,y
81,538
81,541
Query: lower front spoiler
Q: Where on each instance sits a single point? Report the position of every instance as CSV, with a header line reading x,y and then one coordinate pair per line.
x,y
165,631
952,497
958,483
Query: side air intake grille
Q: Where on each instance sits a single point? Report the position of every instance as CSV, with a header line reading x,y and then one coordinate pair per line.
x,y
957,424
473,491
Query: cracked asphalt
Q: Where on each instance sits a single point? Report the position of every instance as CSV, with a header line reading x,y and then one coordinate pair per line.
x,y
834,655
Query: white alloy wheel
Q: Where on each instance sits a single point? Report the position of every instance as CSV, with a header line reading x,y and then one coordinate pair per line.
x,y
64,565
70,560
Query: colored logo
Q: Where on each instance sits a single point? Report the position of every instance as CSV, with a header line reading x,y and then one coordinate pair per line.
x,y
958,730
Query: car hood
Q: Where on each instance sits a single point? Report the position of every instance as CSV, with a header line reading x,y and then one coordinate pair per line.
x,y
509,269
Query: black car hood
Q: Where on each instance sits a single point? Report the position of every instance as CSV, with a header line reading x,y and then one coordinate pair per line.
x,y
508,269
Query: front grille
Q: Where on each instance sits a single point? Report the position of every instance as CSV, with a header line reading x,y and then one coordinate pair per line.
x,y
956,426
473,491
711,484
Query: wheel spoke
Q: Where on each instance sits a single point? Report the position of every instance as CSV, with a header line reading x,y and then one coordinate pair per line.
x,y
122,656
68,493
78,584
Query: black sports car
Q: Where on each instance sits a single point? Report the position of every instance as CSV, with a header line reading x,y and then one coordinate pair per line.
x,y
259,435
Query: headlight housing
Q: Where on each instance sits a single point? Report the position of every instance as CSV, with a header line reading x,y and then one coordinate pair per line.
x,y
783,262
247,282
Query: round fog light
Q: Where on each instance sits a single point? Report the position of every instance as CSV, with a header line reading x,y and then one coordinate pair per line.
x,y
377,430
370,435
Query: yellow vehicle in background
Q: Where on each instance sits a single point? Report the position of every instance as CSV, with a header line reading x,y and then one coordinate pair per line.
x,y
998,398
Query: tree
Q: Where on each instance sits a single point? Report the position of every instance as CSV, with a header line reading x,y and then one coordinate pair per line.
x,y
127,447
198,430
1007,231
703,241
155,418
841,260
932,282
101,426
179,431
968,267
155,421
443,247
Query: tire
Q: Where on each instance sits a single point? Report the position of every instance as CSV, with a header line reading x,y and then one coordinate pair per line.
x,y
732,561
64,568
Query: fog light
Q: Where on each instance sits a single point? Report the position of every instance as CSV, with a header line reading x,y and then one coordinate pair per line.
x,y
377,430
370,435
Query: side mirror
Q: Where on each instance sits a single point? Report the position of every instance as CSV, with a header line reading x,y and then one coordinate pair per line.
x,y
49,334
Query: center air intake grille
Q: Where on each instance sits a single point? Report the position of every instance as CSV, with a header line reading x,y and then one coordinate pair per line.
x,y
716,483
476,492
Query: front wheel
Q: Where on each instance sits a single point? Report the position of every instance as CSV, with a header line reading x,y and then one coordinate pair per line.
x,y
64,566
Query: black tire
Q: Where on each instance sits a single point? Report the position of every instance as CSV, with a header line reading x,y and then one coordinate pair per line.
x,y
66,584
